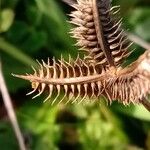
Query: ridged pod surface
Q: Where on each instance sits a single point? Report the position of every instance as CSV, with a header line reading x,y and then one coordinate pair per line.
x,y
132,84
99,32
76,78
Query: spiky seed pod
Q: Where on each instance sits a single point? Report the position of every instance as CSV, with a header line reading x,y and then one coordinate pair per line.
x,y
100,35
80,79
132,84
76,79
99,31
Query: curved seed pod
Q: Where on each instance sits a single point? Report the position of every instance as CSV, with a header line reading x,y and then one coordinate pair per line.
x,y
81,79
99,73
99,31
76,78
132,84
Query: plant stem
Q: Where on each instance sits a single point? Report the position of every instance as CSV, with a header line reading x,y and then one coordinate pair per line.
x,y
10,111
139,41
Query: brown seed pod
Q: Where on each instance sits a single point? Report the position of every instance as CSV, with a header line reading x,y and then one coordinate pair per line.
x,y
81,79
99,31
99,73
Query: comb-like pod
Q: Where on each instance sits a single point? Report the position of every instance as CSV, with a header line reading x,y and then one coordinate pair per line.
x,y
76,79
99,32
99,73
80,79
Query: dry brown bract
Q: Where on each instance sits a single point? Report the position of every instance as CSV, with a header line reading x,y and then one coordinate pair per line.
x,y
99,34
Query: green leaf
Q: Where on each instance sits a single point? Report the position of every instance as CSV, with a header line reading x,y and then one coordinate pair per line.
x,y
143,29
40,119
6,19
7,137
16,53
138,112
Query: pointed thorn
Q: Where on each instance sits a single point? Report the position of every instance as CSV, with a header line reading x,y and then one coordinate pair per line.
x,y
29,78
25,77
31,92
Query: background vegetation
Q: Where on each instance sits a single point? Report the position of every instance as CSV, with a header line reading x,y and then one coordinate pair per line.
x,y
37,29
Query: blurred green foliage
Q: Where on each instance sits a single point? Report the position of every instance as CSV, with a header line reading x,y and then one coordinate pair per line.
x,y
37,29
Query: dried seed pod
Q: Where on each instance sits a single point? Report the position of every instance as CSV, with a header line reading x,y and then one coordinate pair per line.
x,y
99,31
99,72
78,78
131,84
